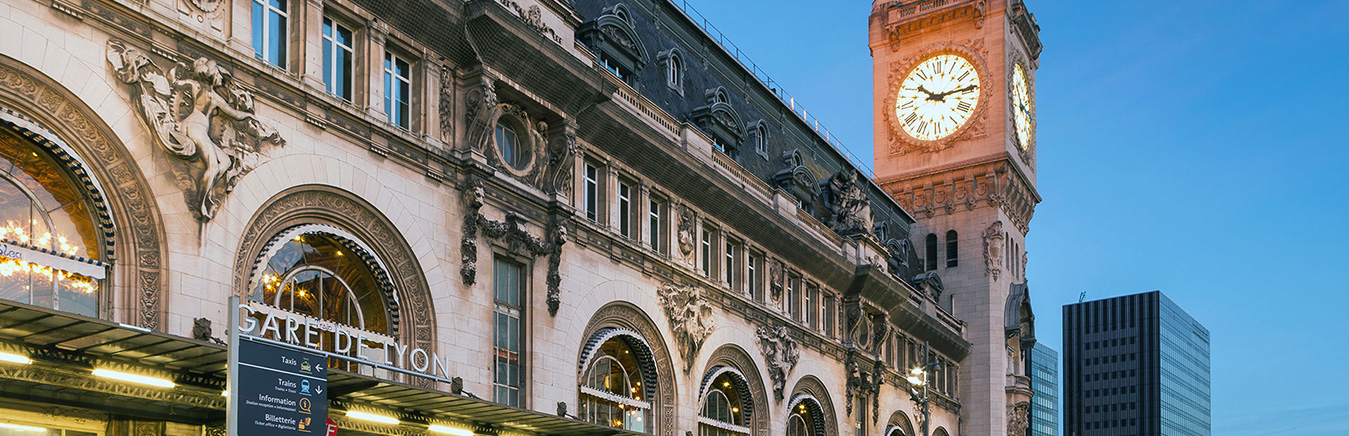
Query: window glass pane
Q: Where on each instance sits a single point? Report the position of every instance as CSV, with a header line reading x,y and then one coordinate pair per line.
x,y
276,29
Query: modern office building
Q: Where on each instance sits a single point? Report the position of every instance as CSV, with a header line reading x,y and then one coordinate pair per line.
x,y
1135,365
1044,381
525,217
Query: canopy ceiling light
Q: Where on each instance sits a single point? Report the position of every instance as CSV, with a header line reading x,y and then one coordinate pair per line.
x,y
133,378
449,430
15,358
17,427
372,417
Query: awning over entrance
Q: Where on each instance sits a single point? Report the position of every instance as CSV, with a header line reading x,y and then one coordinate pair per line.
x,y
65,349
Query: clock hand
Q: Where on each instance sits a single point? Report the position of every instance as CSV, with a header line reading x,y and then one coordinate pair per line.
x,y
955,91
930,94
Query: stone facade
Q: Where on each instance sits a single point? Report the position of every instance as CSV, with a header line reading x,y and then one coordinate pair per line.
x,y
596,148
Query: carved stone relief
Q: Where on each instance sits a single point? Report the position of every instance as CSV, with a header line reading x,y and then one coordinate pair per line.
x,y
847,208
686,233
533,17
543,162
199,115
518,241
993,249
781,355
690,318
446,107
777,277
206,12
1017,419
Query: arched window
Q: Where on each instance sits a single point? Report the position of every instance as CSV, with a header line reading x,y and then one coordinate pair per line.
x,y
674,73
931,253
952,249
315,274
805,416
52,251
724,411
508,144
761,138
613,390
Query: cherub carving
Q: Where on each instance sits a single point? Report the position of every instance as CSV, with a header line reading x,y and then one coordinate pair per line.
x,y
198,114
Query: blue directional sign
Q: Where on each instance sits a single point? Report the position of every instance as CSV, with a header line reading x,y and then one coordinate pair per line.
x,y
283,391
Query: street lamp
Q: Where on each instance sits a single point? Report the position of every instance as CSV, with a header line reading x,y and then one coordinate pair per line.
x,y
918,378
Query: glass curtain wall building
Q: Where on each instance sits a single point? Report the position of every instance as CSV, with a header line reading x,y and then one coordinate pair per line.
x,y
1044,381
1135,365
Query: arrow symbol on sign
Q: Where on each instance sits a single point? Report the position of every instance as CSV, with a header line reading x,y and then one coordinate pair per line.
x,y
318,390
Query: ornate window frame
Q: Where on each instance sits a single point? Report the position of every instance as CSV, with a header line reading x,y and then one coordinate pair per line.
x,y
672,62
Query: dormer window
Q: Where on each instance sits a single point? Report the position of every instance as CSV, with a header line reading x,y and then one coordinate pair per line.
x,y
720,121
673,61
613,38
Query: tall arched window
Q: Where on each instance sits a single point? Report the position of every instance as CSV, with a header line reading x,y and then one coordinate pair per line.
x,y
51,250
805,416
674,72
615,385
952,249
725,404
931,252
324,272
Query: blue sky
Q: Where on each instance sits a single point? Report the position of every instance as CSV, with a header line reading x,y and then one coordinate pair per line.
x,y
1197,147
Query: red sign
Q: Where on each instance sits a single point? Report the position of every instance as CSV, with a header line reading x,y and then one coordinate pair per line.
x,y
332,427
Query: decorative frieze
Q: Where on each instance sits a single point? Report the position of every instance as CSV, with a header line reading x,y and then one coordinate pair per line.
x,y
993,183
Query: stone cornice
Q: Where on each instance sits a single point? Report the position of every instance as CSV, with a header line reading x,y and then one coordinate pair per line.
x,y
995,181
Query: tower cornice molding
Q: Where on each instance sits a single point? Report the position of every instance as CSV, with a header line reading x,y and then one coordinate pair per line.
x,y
994,181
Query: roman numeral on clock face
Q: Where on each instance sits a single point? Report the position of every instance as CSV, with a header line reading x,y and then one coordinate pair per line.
x,y
912,117
964,106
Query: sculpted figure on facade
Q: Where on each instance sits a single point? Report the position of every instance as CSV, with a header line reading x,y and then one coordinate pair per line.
x,y
993,252
1018,419
686,230
847,208
690,318
200,115
776,281
780,354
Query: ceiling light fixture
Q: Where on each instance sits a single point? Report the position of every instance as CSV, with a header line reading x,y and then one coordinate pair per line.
x,y
449,430
15,358
372,417
133,378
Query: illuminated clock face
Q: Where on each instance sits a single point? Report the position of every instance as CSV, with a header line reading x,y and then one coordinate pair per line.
x,y
937,97
1022,109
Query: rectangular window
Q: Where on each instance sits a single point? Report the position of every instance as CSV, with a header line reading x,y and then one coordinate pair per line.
x,y
794,297
269,31
624,209
729,265
337,58
812,306
706,248
397,90
752,268
829,310
656,230
591,192
509,283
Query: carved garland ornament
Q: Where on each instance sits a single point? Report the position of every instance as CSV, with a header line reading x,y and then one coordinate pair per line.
x,y
993,249
134,206
518,240
200,115
781,355
976,126
690,318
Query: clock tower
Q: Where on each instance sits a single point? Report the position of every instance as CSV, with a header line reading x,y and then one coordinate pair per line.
x,y
954,108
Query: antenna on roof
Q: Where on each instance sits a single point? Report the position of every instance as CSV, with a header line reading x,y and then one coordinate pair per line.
x,y
1081,296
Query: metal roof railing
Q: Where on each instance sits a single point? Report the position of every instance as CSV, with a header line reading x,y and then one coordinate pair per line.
x,y
773,86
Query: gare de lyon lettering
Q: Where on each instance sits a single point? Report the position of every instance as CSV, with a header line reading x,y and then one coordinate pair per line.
x,y
346,342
